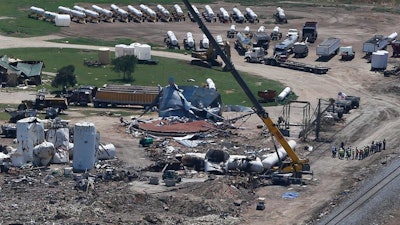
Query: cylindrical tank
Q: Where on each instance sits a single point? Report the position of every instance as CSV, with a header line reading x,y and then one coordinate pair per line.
x,y
64,10
106,151
220,40
78,8
104,56
261,29
84,156
280,12
189,39
241,162
209,11
210,83
135,11
205,42
238,14
91,13
276,29
392,36
233,28
178,10
30,132
246,30
129,50
119,50
77,13
50,15
284,93
37,10
97,8
143,52
251,13
224,13
122,12
195,9
62,20
135,45
163,10
102,11
172,38
379,60
272,159
114,7
147,10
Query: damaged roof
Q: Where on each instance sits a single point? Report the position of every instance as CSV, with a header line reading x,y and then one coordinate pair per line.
x,y
26,68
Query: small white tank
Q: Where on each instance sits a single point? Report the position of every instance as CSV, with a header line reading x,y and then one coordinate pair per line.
x,y
64,10
261,29
76,7
189,39
84,156
143,52
195,10
272,159
205,42
210,83
246,30
233,28
284,93
119,50
379,60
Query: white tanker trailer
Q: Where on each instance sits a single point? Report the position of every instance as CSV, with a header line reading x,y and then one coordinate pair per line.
x,y
150,14
188,42
204,43
135,14
280,16
209,14
223,15
64,10
78,16
105,14
238,16
76,7
163,14
178,14
93,16
171,41
251,16
50,16
36,12
120,14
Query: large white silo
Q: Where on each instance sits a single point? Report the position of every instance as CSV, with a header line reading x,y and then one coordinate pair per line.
x,y
84,155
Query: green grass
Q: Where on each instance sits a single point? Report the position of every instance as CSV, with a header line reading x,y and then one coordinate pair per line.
x,y
152,75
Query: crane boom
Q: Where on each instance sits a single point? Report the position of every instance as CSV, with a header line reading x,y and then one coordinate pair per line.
x,y
297,165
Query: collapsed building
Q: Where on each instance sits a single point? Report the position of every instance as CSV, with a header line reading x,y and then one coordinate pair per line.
x,y
14,72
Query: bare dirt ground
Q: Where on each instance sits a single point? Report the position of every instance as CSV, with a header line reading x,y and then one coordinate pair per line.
x,y
212,202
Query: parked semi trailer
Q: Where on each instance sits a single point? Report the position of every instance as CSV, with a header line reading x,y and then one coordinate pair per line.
x,y
330,46
378,42
276,61
118,95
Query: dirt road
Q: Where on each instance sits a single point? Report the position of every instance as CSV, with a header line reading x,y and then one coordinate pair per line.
x,y
376,119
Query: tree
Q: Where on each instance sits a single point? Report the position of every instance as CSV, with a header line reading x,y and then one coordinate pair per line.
x,y
125,64
65,77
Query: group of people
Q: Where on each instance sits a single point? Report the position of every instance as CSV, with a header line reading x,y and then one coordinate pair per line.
x,y
358,153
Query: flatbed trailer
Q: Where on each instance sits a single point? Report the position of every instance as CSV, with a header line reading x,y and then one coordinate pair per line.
x,y
296,65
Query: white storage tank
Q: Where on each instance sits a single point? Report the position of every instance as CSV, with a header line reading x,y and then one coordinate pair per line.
x,y
119,50
30,132
135,44
104,56
284,93
379,60
106,151
128,50
143,52
272,159
62,20
85,138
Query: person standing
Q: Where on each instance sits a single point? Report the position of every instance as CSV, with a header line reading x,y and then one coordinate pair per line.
x,y
341,153
334,151
384,144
